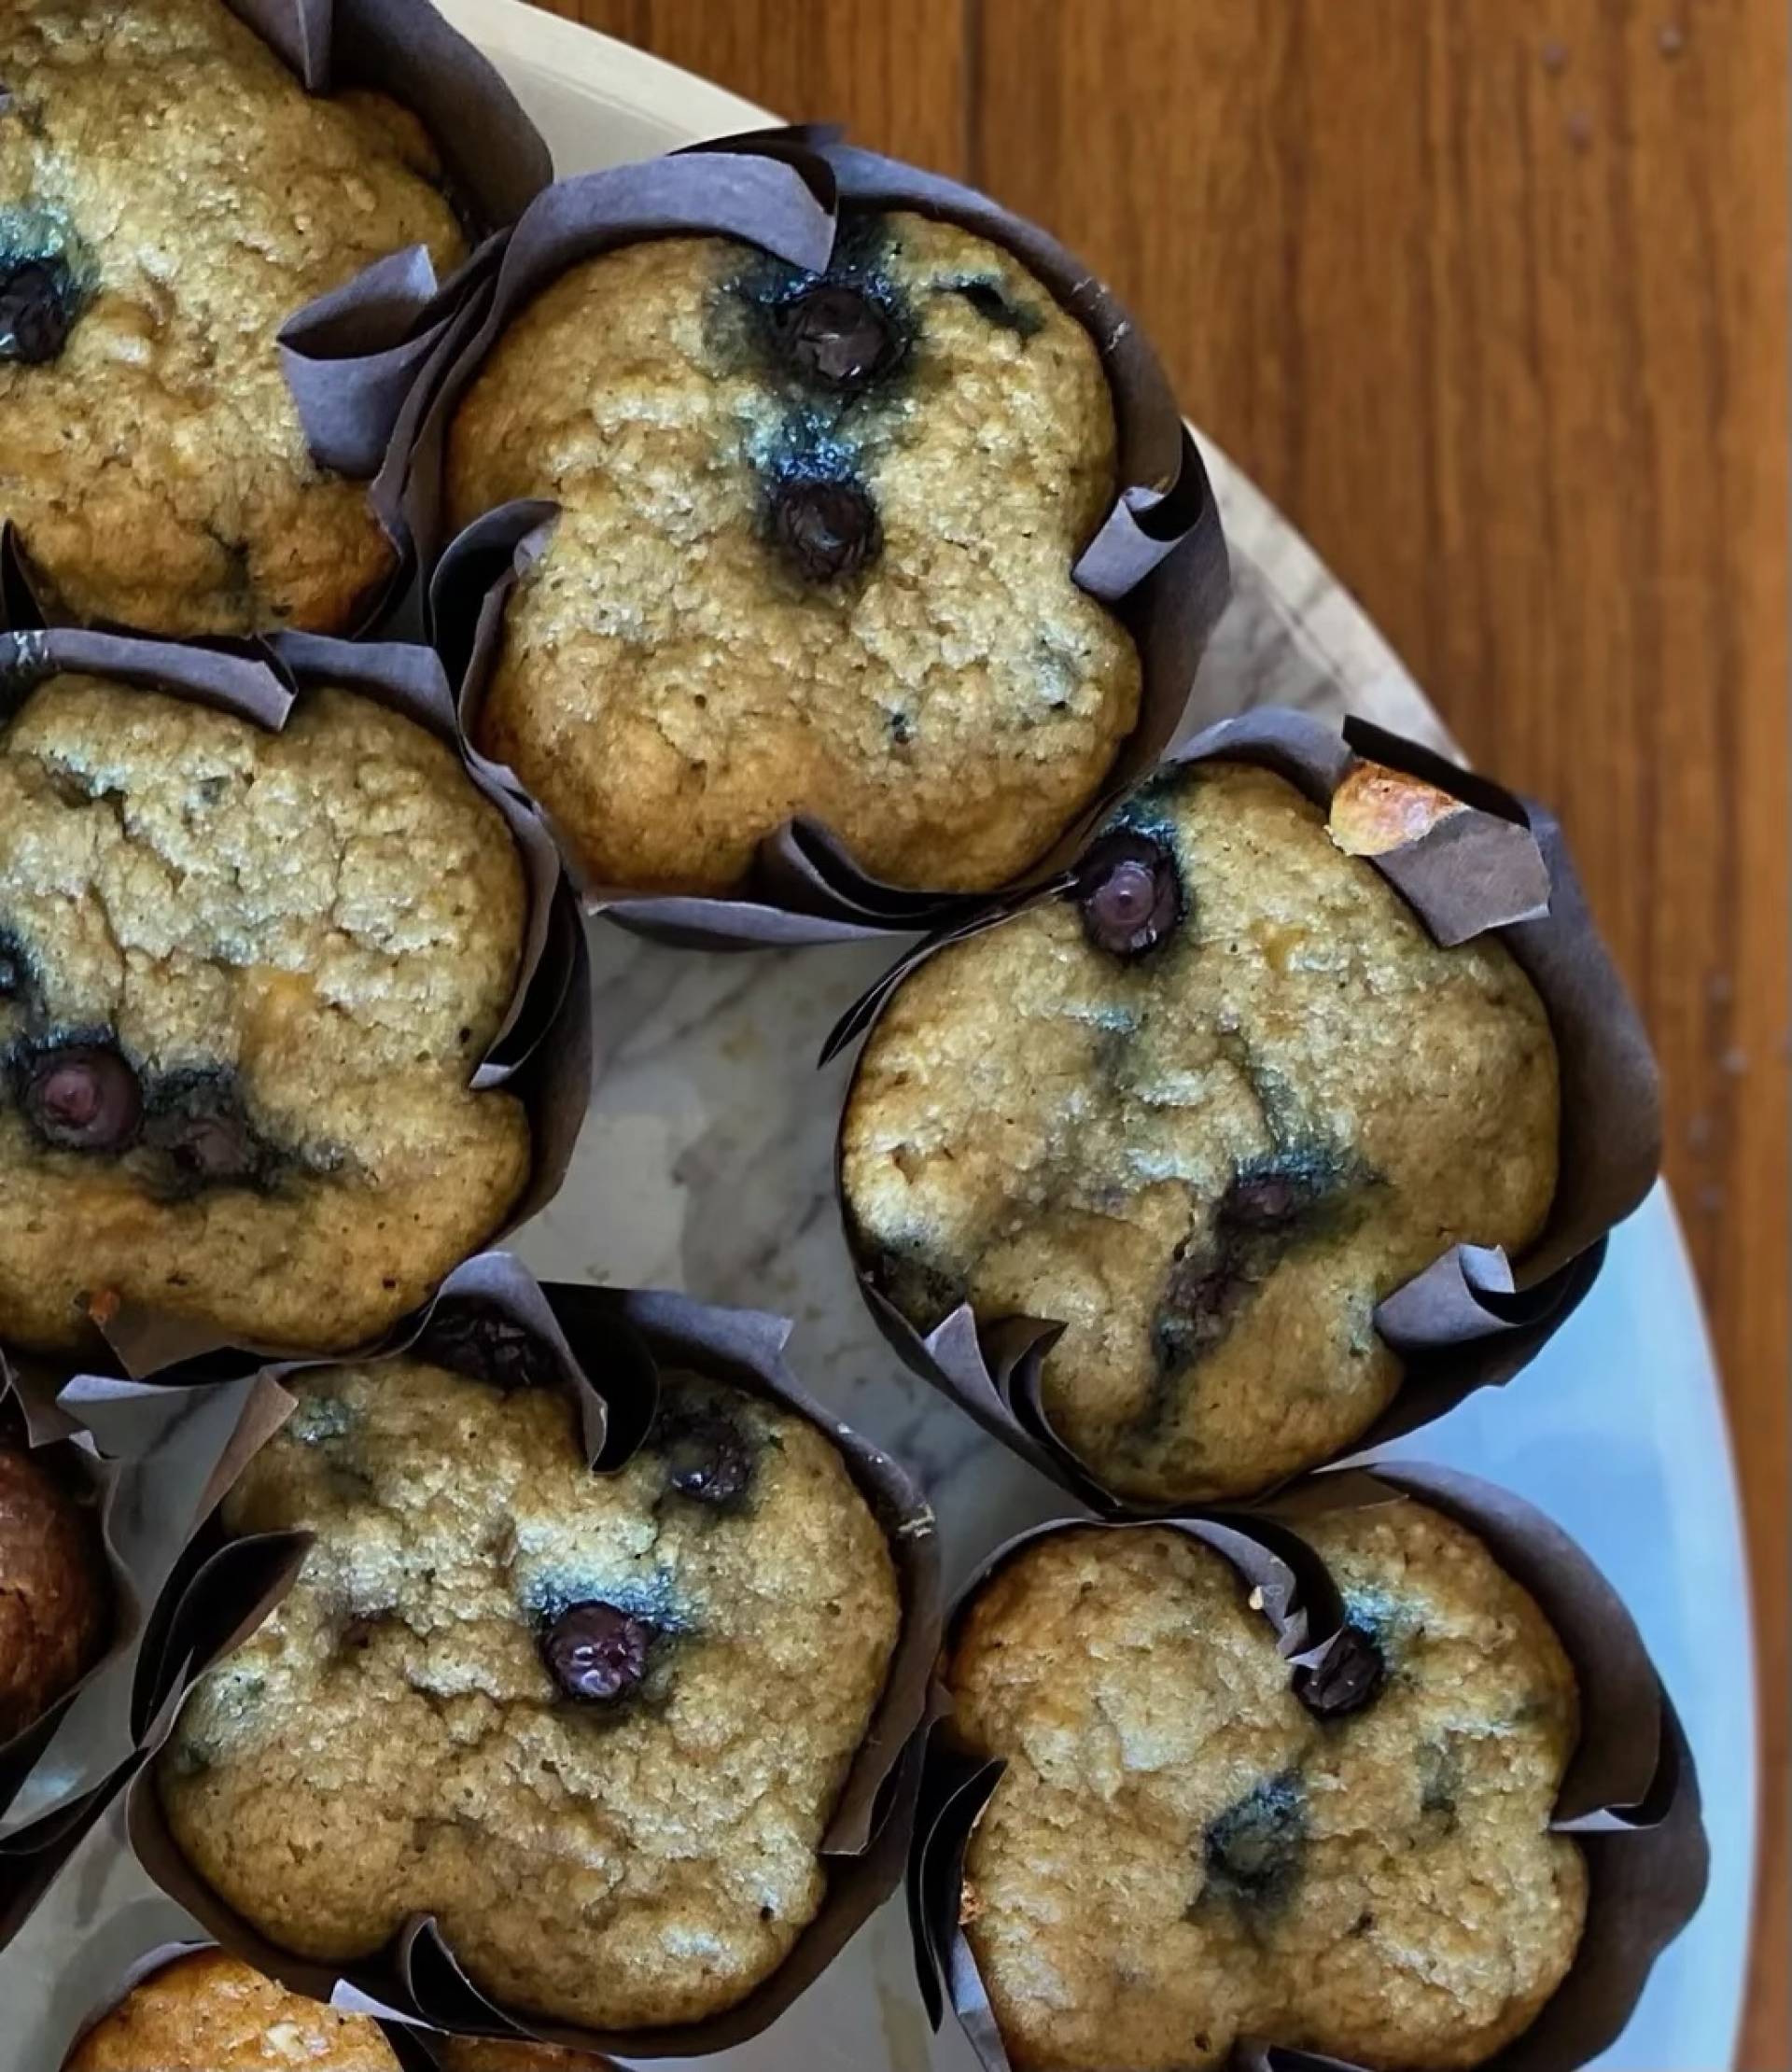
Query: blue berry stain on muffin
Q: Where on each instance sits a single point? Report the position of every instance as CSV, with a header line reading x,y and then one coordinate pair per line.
x,y
244,978
172,196
594,1722
1252,1852
814,555
1192,1841
1207,1110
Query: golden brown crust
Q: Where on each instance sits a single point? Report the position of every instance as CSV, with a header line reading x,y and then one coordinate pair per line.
x,y
391,1742
1375,809
1179,1853
667,684
156,466
322,925
53,1597
208,2013
1055,1131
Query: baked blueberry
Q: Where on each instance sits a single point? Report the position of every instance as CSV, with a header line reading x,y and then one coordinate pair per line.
x,y
1180,1854
1207,1111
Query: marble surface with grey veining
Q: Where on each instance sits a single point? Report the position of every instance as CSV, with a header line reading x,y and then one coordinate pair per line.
x,y
708,1165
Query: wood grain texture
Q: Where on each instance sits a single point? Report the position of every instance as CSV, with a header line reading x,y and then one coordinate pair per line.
x,y
897,74
1490,296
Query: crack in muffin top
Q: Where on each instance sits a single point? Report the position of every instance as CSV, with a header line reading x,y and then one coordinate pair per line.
x,y
247,979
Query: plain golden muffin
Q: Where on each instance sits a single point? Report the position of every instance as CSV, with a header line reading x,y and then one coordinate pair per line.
x,y
54,1604
208,2013
1207,1111
1185,1848
813,557
169,196
596,1725
244,980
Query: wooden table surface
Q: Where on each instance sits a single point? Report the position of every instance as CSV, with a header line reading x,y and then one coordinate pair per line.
x,y
1490,296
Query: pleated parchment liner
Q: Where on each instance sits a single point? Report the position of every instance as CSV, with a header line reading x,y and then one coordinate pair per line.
x,y
1472,1318
543,1051
1629,1798
148,1473
112,1970
608,1346
1158,560
350,356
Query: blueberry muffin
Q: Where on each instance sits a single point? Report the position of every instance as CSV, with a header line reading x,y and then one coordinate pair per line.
x,y
244,980
595,1724
1207,1111
1188,1845
813,556
208,2013
54,1604
169,196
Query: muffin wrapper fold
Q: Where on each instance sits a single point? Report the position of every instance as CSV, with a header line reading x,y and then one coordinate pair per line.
x,y
1472,1318
1629,1796
115,1958
542,1049
350,356
1159,559
149,1471
600,1338
497,159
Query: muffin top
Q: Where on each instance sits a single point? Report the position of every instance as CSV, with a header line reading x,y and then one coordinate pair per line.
x,y
595,1724
1180,1851
1207,1114
244,980
53,1600
813,557
169,196
209,2011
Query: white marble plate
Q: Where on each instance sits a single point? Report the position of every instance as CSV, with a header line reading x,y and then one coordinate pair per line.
x,y
706,1165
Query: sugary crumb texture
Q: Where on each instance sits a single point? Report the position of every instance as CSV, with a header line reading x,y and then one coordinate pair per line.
x,y
187,197
209,2013
922,675
305,939
54,1609
1211,1160
391,1740
1180,1853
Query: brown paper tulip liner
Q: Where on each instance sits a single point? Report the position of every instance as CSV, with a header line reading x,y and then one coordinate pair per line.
x,y
605,1347
1159,560
1629,1796
145,1469
112,1969
349,358
1472,1318
542,1050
